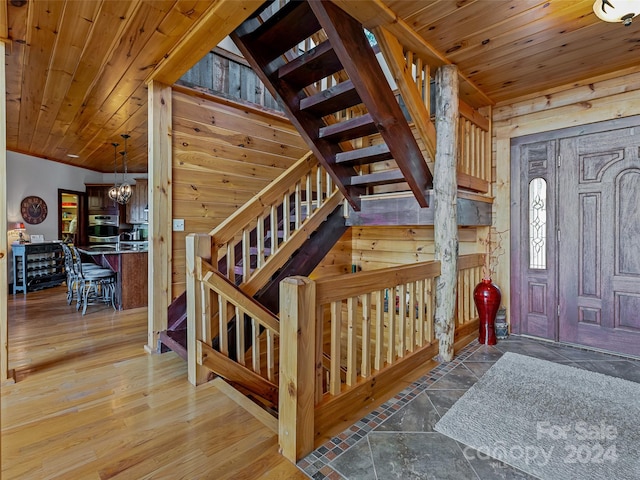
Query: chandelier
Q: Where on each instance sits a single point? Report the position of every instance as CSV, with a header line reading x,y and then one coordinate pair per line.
x,y
120,193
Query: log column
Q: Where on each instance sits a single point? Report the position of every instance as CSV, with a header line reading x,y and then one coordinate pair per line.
x,y
445,207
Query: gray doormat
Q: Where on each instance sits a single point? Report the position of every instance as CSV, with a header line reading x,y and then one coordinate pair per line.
x,y
550,420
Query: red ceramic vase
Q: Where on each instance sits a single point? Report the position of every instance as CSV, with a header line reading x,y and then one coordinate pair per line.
x,y
487,298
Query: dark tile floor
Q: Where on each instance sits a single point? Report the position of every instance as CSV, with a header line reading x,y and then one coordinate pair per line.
x,y
397,440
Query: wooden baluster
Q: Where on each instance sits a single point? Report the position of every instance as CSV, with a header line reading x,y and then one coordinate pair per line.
x,y
222,326
271,360
429,301
273,227
378,358
352,354
309,199
427,88
255,345
402,320
240,345
230,259
335,384
298,206
286,217
246,254
421,312
411,339
391,326
365,368
260,241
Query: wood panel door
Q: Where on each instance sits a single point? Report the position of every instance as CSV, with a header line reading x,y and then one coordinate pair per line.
x,y
599,247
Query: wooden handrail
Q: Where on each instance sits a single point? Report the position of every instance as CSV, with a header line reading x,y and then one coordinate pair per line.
x,y
230,227
330,289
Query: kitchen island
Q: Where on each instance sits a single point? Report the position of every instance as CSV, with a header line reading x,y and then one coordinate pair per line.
x,y
129,262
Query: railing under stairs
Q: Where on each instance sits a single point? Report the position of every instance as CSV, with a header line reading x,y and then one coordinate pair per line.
x,y
228,266
338,343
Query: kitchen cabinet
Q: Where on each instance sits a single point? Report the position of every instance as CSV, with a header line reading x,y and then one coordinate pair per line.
x,y
37,266
98,200
138,202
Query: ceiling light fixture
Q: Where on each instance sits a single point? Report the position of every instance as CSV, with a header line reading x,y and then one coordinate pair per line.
x,y
617,10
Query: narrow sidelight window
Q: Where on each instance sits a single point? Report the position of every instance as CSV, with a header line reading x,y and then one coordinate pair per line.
x,y
538,223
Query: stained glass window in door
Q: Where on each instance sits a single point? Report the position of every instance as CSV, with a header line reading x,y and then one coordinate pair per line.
x,y
538,223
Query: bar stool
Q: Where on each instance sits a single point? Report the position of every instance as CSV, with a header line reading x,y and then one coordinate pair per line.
x,y
94,285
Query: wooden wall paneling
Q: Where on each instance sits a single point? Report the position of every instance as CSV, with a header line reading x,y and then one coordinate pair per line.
x,y
223,154
17,23
160,210
338,261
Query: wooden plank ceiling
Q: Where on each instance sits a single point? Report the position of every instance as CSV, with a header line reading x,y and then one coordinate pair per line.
x,y
76,70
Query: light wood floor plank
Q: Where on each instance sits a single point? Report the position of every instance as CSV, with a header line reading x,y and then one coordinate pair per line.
x,y
89,403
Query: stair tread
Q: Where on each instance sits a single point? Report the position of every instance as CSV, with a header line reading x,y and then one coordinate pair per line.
x,y
287,27
378,178
331,100
313,65
362,156
353,128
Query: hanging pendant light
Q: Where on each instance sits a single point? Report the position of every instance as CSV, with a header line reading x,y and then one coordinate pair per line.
x,y
113,191
124,190
617,10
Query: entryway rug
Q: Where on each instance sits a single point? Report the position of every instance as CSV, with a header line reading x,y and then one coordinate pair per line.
x,y
550,420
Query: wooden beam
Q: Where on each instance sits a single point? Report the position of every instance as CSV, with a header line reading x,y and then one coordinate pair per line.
x,y
6,376
297,366
160,213
4,22
214,25
445,208
234,372
401,210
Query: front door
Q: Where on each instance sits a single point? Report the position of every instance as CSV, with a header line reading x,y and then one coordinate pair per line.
x,y
599,240
575,236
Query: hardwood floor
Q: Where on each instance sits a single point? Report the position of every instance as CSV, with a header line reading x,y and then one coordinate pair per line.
x,y
89,403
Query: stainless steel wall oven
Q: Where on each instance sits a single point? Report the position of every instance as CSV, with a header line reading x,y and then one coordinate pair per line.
x,y
103,228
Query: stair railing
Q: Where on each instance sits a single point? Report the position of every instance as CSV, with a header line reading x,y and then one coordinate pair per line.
x,y
413,76
346,339
260,237
251,245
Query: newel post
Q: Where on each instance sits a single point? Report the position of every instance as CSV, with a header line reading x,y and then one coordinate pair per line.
x,y
445,187
297,369
198,246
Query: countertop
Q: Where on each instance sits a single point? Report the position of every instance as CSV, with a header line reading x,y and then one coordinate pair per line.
x,y
129,247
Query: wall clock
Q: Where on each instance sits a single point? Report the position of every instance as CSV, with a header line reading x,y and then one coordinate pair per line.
x,y
33,209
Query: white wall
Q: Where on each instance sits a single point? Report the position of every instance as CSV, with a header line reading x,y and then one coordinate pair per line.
x,y
28,175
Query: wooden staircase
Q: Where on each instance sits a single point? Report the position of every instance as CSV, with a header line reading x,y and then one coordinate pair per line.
x,y
270,44
303,262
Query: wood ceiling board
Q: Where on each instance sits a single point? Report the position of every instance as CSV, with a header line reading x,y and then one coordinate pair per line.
x,y
74,30
14,66
526,30
43,20
111,22
565,63
215,24
446,33
123,76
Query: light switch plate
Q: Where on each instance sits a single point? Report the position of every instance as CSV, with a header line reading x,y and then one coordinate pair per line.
x,y
178,224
